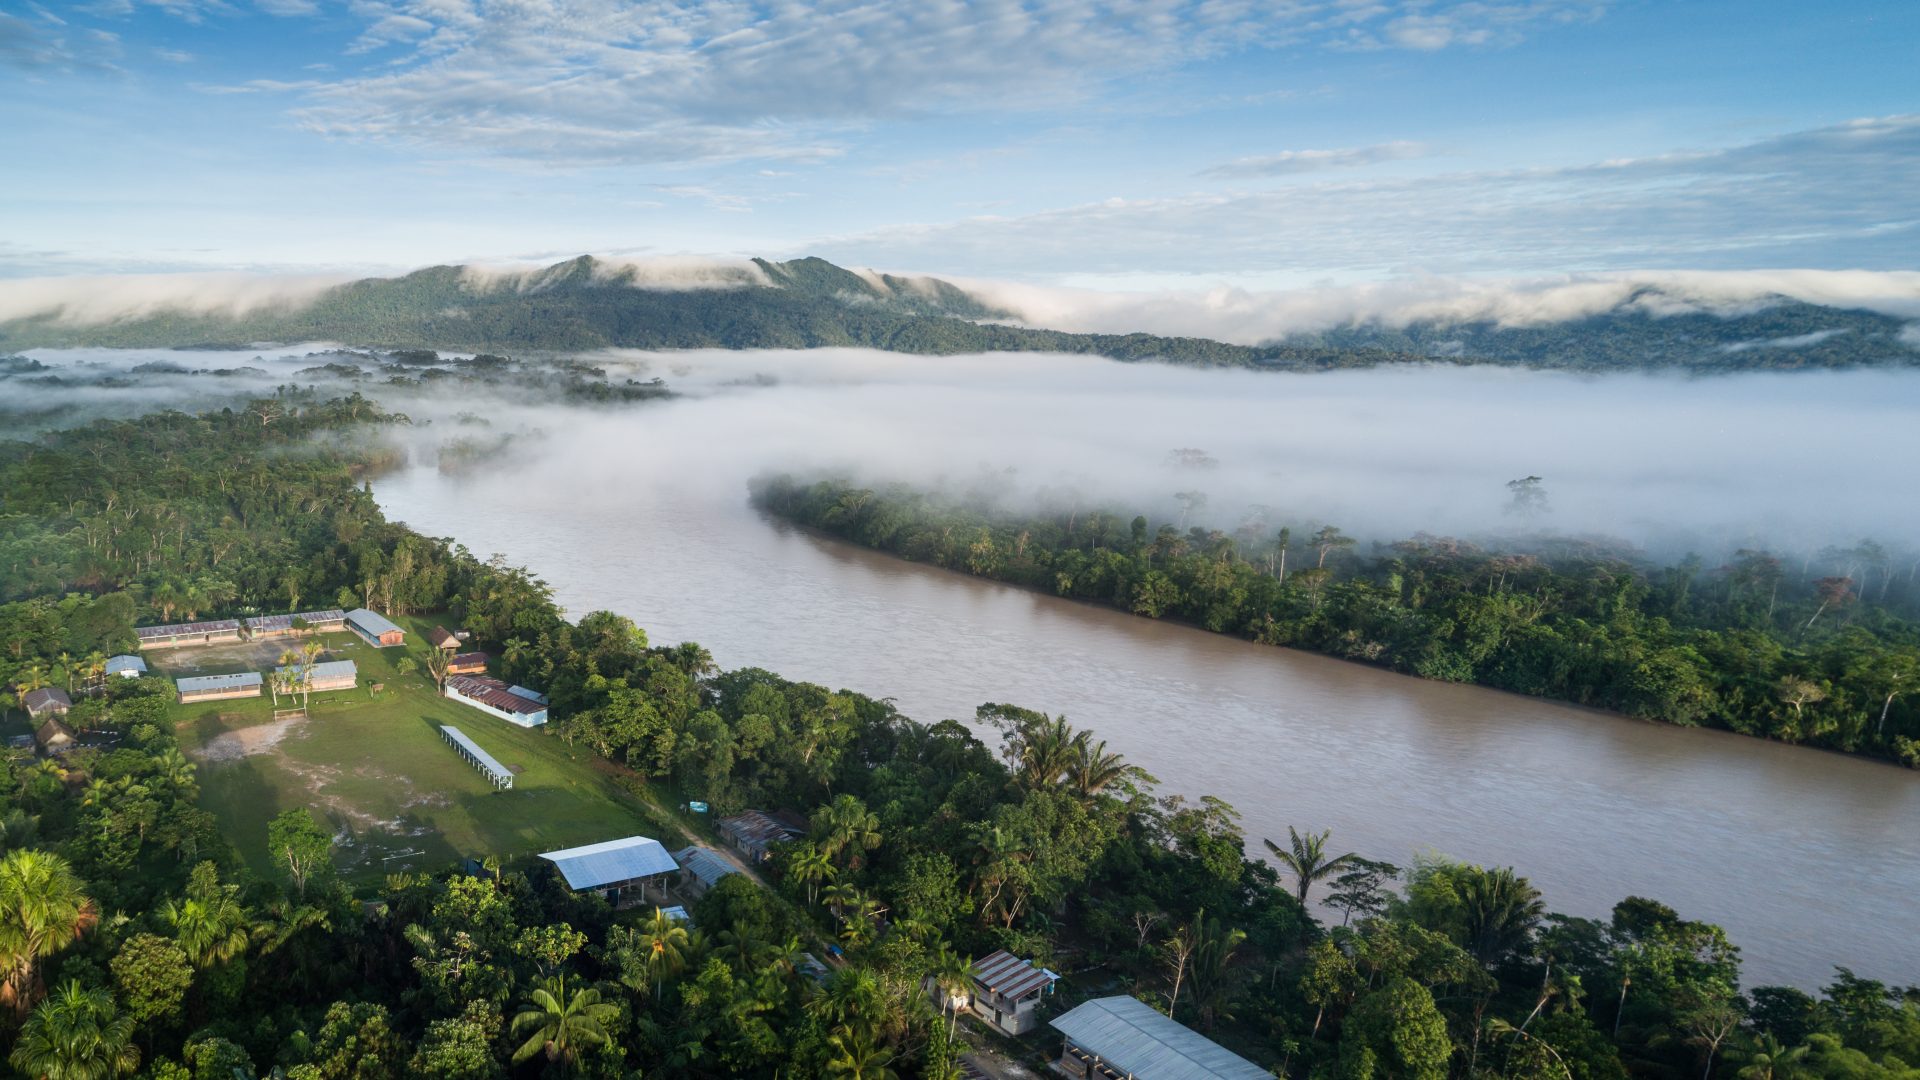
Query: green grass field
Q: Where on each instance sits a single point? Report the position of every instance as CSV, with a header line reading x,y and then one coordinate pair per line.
x,y
376,767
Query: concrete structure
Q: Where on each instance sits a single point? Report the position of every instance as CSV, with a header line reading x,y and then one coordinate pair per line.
x,y
331,620
47,702
192,633
127,666
218,687
701,869
1121,1038
497,774
1007,992
514,704
330,675
375,629
54,737
467,663
753,833
443,639
616,869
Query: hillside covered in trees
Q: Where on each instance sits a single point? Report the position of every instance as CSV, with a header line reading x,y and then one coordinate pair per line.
x,y
810,303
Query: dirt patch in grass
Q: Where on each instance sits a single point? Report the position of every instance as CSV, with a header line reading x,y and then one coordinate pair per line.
x,y
247,741
230,656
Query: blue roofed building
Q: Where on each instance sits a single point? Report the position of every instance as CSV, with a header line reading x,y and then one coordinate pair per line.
x,y
701,869
375,629
126,665
617,869
1122,1038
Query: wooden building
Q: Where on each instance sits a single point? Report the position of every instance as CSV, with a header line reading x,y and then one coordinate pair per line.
x,y
467,663
375,629
443,639
53,737
46,702
753,833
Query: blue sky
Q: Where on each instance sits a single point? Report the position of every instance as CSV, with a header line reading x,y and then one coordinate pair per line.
x,y
1116,143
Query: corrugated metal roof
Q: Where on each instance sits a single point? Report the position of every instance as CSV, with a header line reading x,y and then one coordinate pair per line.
x,y
610,861
148,633
118,664
1137,1039
1009,976
534,696
271,623
705,863
372,623
217,682
485,760
47,697
752,826
493,692
677,912
331,669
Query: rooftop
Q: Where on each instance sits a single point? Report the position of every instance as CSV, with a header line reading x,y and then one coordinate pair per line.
x,y
118,664
442,638
491,691
217,682
485,759
46,697
467,659
1009,976
1135,1038
331,669
705,863
611,861
752,826
372,622
270,623
216,626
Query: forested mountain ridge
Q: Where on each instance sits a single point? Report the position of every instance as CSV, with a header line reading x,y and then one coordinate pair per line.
x,y
586,303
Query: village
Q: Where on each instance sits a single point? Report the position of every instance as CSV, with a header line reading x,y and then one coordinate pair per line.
x,y
246,692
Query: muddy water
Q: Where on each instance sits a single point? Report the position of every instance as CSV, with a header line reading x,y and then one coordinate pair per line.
x,y
1809,859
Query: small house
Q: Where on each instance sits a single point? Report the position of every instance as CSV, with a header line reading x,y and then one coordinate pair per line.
x,y
194,633
678,914
616,869
701,869
242,684
46,702
330,675
1007,992
331,620
375,629
127,666
515,704
753,833
443,639
467,663
54,737
1123,1038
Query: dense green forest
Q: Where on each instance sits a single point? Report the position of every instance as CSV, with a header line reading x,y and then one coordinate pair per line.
x,y
811,303
1822,650
135,941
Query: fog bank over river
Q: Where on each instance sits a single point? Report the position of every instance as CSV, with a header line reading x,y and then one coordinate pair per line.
x,y
1808,859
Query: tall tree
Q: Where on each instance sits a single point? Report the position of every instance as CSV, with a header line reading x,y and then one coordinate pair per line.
x,y
560,1024
76,1034
42,908
1306,857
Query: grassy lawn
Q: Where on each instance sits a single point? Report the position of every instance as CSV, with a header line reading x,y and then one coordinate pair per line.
x,y
378,769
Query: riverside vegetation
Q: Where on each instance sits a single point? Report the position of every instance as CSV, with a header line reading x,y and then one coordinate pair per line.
x,y
135,941
1821,649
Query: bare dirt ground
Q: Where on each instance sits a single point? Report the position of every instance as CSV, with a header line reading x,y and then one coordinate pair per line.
x,y
228,656
247,741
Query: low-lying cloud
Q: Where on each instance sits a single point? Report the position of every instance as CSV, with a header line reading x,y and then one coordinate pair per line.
x,y
1290,162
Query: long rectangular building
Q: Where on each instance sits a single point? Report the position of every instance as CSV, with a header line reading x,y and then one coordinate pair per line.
x,y
514,704
192,633
216,687
497,774
331,675
376,629
331,620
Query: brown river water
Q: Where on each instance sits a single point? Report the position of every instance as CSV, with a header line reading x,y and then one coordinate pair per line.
x,y
1808,859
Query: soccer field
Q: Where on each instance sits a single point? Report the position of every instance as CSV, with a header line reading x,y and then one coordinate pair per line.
x,y
376,768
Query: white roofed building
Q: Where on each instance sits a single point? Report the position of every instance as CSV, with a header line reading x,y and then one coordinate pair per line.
x,y
1123,1038
616,869
126,665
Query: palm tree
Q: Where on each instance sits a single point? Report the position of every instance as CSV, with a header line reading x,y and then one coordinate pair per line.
x,y
1210,970
1092,768
437,663
560,1024
847,826
76,1034
665,942
26,681
850,998
856,1058
309,656
810,866
65,660
210,930
1308,860
1502,910
1770,1059
284,676
42,909
952,973
1046,750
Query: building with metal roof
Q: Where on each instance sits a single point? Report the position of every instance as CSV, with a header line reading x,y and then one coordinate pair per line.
x,y
514,704
617,869
46,702
316,622
678,913
192,633
1122,1038
1007,991
216,687
497,774
752,833
126,665
329,675
375,629
702,868
442,638
467,663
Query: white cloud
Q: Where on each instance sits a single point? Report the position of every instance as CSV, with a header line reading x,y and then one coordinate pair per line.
x,y
1289,162
1846,195
569,81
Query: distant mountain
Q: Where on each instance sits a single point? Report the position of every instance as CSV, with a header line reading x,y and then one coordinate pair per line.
x,y
586,304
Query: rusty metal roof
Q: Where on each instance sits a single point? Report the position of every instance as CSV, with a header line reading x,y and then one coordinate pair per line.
x,y
1009,976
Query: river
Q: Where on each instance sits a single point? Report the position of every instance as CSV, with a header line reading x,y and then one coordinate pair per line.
x,y
1808,859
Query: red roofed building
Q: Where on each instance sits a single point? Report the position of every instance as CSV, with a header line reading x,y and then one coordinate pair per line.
x,y
467,663
514,704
